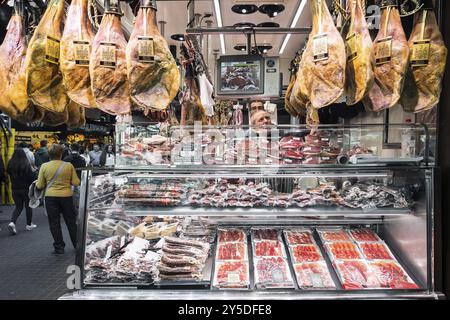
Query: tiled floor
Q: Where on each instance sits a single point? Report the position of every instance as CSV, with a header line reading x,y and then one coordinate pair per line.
x,y
28,270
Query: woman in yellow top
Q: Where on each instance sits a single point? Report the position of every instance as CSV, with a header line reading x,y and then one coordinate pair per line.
x,y
58,177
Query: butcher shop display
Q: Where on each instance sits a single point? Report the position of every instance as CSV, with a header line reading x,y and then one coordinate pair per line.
x,y
153,74
76,44
272,272
364,235
321,74
360,62
313,275
305,253
375,251
427,61
107,66
14,100
231,275
43,76
299,236
390,52
391,275
342,250
355,274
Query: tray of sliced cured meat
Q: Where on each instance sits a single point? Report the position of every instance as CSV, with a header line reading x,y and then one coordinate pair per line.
x,y
231,235
364,235
262,234
375,251
268,248
232,251
313,275
355,274
305,253
391,274
272,272
299,236
333,235
342,250
231,275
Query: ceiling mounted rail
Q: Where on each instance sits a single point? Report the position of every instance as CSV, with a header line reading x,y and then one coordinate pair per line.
x,y
257,30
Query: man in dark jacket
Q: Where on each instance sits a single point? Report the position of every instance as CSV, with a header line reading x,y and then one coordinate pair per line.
x,y
78,162
41,155
75,159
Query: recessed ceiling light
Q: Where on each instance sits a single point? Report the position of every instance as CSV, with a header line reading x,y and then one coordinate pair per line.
x,y
244,8
269,25
177,37
272,10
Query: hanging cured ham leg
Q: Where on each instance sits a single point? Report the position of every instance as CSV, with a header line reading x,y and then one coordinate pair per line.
x,y
107,66
75,50
153,73
14,100
428,56
391,53
321,75
359,72
43,76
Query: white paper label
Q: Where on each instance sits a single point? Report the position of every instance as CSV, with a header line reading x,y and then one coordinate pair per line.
x,y
146,49
320,47
108,54
81,52
420,55
233,277
316,280
383,50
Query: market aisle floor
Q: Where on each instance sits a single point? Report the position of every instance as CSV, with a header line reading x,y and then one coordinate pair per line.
x,y
28,270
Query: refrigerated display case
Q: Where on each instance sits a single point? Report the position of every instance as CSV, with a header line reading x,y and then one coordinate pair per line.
x,y
262,231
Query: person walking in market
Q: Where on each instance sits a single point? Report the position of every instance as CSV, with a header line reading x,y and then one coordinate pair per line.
x,y
78,162
57,178
95,155
41,155
22,175
107,159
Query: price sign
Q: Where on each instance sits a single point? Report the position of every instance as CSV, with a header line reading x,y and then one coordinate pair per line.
x,y
420,55
81,52
320,47
108,54
146,49
233,277
316,280
383,51
52,50
352,51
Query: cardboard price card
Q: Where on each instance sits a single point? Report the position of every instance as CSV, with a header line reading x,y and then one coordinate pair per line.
x,y
52,50
320,47
420,55
352,51
146,49
108,54
383,51
81,52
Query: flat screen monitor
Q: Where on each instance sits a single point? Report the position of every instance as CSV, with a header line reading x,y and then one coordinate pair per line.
x,y
240,75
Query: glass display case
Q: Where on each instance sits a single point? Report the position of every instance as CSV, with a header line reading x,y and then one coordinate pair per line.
x,y
254,231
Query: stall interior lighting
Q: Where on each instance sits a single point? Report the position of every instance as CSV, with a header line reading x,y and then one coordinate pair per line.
x,y
300,8
219,24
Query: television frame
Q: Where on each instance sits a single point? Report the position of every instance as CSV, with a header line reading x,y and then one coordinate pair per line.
x,y
239,58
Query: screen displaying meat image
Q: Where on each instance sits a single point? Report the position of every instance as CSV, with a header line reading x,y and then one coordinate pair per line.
x,y
240,77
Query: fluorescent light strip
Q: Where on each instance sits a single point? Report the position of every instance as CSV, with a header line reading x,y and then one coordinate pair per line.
x,y
286,40
300,8
222,43
219,24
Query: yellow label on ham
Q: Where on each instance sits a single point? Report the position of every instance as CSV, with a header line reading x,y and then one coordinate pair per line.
x,y
320,47
383,51
52,50
108,54
81,52
146,49
352,51
420,55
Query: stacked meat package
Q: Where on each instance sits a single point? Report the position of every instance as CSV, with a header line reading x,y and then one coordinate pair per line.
x,y
363,261
182,259
269,260
309,265
231,265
